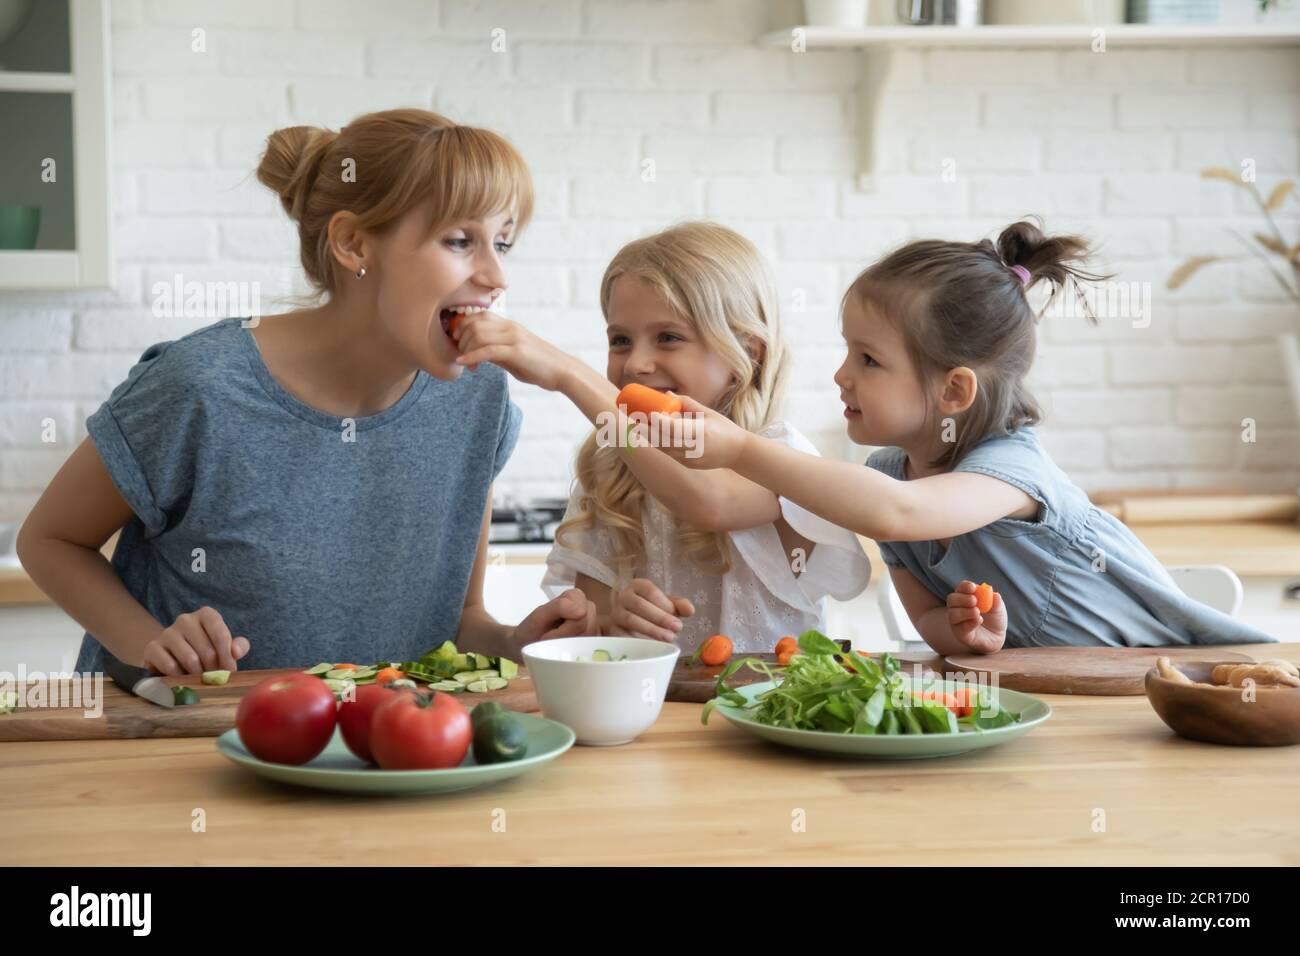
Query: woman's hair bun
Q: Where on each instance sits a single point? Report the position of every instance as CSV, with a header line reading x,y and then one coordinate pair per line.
x,y
290,163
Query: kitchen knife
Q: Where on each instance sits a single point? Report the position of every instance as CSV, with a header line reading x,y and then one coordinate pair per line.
x,y
139,681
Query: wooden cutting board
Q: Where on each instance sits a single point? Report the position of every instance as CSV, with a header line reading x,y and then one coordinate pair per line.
x,y
1089,671
694,683
125,715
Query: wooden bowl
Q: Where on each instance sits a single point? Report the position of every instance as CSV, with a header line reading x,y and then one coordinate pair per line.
x,y
1218,715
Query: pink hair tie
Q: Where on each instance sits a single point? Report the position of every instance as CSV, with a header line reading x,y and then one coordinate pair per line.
x,y
1022,272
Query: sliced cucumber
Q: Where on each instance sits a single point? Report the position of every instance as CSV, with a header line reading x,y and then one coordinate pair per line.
x,y
481,661
447,652
216,677
600,654
319,670
507,668
496,683
336,685
340,673
451,686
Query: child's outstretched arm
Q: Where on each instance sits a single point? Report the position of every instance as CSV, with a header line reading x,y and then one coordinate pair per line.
x,y
721,501
851,496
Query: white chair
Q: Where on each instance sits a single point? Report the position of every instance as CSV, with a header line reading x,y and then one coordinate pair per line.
x,y
1211,584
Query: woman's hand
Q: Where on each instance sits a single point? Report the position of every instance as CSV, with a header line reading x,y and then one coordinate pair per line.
x,y
488,337
982,633
196,642
701,437
572,614
642,610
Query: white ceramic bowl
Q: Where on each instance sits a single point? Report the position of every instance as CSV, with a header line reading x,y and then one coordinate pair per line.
x,y
604,702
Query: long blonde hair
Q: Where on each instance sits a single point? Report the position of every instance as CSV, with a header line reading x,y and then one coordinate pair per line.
x,y
380,166
717,281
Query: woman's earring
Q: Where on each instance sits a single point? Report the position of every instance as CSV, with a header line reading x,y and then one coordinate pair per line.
x,y
361,273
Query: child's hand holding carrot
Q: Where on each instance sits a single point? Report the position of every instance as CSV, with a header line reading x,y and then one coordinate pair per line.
x,y
642,610
710,440
983,631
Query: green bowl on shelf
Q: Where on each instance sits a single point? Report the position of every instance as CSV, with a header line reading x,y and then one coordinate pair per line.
x,y
19,226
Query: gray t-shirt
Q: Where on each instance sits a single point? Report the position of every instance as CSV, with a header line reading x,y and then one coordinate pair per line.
x,y
1076,575
314,547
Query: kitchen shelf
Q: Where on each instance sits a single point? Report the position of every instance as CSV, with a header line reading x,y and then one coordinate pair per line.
x,y
1126,35
878,43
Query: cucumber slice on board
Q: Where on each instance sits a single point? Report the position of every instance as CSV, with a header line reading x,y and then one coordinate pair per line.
x,y
319,670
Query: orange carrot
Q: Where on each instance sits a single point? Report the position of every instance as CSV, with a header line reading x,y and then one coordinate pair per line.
x,y
786,643
345,667
388,674
968,699
941,697
716,650
643,399
984,597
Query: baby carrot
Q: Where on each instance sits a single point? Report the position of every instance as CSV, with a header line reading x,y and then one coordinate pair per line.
x,y
716,650
984,597
388,674
643,399
786,643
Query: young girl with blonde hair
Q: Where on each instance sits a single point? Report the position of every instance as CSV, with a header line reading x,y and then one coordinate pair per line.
x,y
665,552
313,486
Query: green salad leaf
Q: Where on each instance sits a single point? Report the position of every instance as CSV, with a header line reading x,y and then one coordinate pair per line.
x,y
824,689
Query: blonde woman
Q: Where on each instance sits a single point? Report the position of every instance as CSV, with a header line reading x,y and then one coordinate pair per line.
x,y
313,486
665,552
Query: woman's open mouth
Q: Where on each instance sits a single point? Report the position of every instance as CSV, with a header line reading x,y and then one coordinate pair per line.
x,y
451,316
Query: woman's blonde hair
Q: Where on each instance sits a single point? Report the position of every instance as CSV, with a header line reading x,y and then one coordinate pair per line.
x,y
717,281
380,166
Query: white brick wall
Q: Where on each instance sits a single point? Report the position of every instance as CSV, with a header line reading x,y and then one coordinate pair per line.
x,y
762,139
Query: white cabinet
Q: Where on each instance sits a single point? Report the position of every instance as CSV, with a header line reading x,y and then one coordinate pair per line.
x,y
55,217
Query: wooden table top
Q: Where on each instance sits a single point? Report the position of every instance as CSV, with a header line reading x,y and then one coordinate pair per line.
x,y
689,794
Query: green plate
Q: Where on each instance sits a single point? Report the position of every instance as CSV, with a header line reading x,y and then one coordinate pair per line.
x,y
1032,712
337,768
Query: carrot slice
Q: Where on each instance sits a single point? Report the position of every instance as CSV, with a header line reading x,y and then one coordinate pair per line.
x,y
984,597
716,650
643,399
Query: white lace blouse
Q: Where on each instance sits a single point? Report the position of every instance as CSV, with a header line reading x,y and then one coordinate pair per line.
x,y
759,600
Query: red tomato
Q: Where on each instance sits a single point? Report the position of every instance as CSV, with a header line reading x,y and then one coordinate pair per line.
x,y
420,732
355,716
287,719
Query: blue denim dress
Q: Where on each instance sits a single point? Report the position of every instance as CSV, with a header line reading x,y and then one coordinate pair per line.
x,y
1076,575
